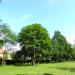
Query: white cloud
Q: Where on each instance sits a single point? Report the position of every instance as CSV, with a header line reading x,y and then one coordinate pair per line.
x,y
16,47
71,39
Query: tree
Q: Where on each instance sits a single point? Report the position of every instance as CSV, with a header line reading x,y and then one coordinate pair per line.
x,y
60,47
73,52
6,36
4,58
34,38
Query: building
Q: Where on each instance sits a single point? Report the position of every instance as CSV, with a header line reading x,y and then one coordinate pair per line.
x,y
5,54
1,53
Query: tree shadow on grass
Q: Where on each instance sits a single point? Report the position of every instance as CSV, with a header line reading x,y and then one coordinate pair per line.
x,y
64,68
36,74
47,74
69,69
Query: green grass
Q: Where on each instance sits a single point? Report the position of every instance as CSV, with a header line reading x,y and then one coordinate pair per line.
x,y
65,68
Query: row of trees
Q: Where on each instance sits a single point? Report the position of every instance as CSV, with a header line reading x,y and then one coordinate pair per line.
x,y
36,44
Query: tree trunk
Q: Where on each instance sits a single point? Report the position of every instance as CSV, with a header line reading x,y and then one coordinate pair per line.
x,y
33,61
24,59
3,60
33,58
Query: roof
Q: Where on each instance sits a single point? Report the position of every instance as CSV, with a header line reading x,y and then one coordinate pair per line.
x,y
1,50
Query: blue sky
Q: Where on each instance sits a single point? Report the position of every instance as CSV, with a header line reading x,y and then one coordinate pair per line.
x,y
52,14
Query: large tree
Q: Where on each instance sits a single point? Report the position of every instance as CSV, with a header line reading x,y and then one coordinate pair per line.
x,y
35,40
61,49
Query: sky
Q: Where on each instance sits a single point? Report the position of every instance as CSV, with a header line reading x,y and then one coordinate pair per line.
x,y
51,14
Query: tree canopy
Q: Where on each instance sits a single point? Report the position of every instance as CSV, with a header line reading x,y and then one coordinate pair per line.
x,y
60,47
35,40
6,35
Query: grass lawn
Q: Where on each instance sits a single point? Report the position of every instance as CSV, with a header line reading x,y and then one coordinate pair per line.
x,y
65,68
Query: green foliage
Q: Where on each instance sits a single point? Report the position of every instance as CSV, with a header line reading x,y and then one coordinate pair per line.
x,y
1,43
60,47
73,52
6,35
36,44
35,39
17,57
